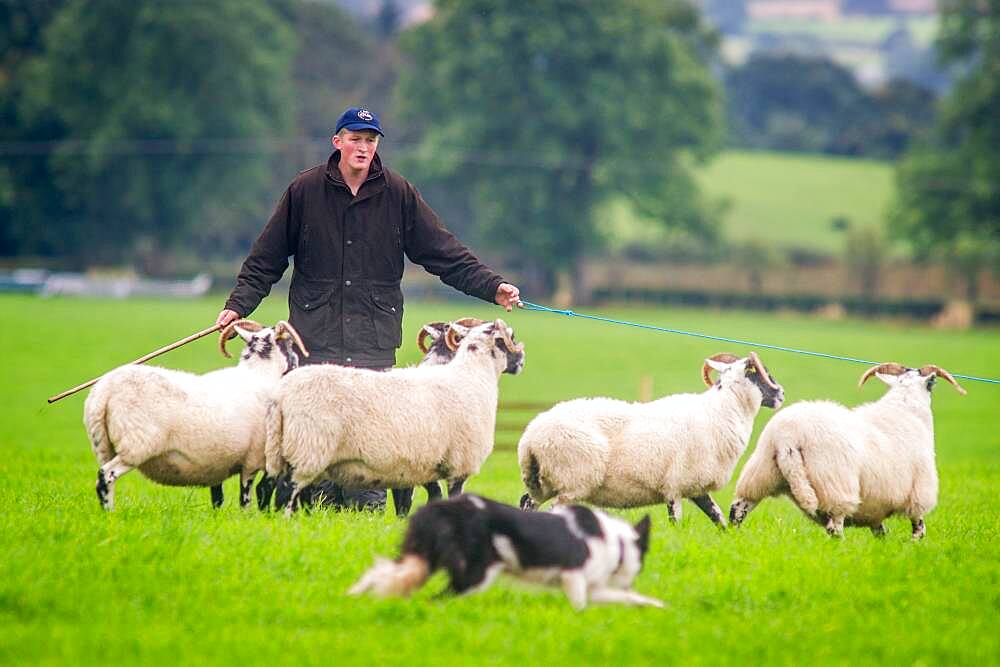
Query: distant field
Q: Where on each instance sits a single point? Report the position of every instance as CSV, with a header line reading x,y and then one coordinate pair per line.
x,y
166,580
790,200
860,29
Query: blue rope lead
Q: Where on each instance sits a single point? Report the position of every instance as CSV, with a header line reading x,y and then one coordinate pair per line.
x,y
534,306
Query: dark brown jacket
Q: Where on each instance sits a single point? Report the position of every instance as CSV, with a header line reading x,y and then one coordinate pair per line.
x,y
345,298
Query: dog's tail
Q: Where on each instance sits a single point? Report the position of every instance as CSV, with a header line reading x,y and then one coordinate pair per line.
x,y
387,577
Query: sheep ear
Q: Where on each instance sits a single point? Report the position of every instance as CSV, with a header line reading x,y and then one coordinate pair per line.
x,y
887,379
642,530
717,365
434,330
245,334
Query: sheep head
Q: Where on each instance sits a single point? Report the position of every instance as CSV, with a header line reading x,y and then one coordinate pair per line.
x,y
432,330
495,335
931,371
443,346
287,337
243,328
262,341
894,374
503,339
752,369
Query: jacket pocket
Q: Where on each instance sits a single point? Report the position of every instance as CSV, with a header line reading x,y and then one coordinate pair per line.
x,y
309,311
387,316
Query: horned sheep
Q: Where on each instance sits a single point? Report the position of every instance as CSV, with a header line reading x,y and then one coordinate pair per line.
x,y
618,454
857,466
400,428
438,349
182,429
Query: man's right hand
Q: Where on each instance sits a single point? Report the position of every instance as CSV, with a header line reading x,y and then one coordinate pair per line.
x,y
226,316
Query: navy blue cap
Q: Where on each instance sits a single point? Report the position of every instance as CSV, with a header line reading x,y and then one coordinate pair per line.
x,y
358,118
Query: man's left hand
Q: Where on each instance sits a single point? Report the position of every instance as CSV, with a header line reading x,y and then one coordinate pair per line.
x,y
508,296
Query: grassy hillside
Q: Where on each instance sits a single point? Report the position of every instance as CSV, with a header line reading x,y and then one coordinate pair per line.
x,y
166,580
790,200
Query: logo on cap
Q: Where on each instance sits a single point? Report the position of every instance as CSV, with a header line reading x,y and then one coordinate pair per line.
x,y
365,115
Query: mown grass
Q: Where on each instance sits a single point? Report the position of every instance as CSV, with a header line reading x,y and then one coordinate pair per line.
x,y
791,200
165,579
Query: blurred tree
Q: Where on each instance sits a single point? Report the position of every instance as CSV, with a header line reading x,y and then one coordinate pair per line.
x,y
948,187
540,111
905,111
170,106
756,258
335,66
388,18
783,101
29,200
795,103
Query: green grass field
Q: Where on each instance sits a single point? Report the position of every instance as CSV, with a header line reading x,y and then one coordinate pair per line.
x,y
790,200
165,579
784,200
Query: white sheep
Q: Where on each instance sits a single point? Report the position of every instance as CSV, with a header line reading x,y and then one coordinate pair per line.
x,y
618,454
440,350
851,466
400,428
183,429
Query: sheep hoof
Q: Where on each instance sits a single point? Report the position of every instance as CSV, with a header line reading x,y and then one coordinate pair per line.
x,y
216,496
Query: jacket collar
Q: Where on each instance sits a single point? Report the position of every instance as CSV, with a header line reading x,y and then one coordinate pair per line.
x,y
333,174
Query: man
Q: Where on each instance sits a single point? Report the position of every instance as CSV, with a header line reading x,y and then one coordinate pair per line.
x,y
348,224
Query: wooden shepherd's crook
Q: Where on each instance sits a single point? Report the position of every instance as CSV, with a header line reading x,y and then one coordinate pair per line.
x,y
142,359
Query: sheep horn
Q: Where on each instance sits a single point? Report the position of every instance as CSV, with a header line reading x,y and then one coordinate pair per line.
x,y
763,371
892,368
283,329
724,357
425,332
228,333
452,338
940,372
508,341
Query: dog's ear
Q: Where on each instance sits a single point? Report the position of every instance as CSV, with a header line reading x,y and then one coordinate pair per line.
x,y
642,529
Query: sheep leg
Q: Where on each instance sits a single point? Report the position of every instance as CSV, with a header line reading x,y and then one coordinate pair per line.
x,y
402,500
674,509
739,510
265,490
246,481
835,526
296,497
455,487
216,496
107,474
433,491
879,530
919,529
617,596
711,509
527,504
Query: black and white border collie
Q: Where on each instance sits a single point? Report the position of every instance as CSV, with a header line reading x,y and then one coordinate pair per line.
x,y
592,556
